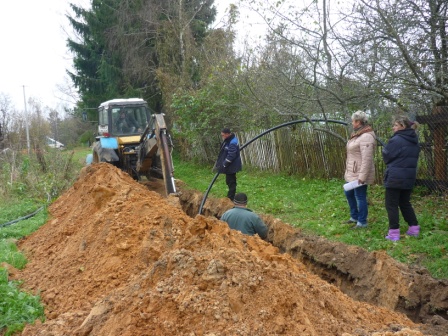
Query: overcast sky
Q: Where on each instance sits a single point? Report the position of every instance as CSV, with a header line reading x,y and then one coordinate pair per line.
x,y
33,52
34,56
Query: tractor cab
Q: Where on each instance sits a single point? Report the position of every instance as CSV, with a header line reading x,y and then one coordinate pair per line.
x,y
123,117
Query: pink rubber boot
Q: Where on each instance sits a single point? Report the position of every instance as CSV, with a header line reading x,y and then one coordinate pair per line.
x,y
413,231
393,235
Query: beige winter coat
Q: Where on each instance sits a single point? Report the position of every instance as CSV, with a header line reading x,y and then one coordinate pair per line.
x,y
360,153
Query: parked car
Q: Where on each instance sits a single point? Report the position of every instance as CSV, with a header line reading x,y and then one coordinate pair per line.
x,y
52,143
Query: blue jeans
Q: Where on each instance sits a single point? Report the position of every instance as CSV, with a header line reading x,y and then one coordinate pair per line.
x,y
357,201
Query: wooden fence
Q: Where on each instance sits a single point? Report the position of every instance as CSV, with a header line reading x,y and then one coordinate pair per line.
x,y
300,150
304,151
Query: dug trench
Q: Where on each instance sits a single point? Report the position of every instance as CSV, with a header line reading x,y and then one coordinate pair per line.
x,y
117,258
372,277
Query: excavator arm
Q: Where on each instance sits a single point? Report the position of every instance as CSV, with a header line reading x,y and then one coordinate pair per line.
x,y
154,152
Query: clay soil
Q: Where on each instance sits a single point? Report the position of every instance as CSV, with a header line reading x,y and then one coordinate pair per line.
x,y
116,258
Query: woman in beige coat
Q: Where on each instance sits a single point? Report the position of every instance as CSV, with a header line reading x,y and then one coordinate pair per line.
x,y
360,167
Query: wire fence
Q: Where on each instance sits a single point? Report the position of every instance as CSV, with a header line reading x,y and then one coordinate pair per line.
x,y
433,133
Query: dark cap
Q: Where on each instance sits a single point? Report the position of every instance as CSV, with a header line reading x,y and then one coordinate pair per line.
x,y
226,130
240,198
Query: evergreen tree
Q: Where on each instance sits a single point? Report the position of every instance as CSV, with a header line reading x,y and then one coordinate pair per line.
x,y
123,45
97,74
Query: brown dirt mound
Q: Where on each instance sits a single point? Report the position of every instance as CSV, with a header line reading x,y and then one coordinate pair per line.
x,y
117,259
372,277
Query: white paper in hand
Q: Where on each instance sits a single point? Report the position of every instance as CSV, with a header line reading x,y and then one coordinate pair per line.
x,y
351,185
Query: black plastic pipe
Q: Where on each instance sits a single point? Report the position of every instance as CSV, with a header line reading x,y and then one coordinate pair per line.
x,y
22,218
259,136
25,217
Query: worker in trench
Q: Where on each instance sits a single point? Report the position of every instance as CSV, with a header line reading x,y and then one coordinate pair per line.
x,y
244,219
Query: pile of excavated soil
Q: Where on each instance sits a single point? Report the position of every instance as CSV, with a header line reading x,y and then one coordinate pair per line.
x,y
372,277
118,259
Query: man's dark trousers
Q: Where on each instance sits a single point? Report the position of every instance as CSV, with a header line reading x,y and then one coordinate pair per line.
x,y
231,183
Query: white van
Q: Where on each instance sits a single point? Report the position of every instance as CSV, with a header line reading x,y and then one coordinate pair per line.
x,y
54,144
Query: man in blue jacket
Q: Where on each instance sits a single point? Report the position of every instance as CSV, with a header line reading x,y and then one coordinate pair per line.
x,y
243,219
401,157
229,160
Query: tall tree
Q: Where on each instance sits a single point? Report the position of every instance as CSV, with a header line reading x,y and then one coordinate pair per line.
x,y
306,62
6,110
159,42
122,44
98,73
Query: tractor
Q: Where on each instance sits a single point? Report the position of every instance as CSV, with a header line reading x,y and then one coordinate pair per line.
x,y
134,140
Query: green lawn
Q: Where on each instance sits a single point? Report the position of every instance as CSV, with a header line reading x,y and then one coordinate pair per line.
x,y
17,307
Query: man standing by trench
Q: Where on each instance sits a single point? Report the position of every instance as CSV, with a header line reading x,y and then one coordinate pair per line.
x,y
229,160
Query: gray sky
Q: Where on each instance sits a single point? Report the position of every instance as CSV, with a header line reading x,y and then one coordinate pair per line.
x,y
34,55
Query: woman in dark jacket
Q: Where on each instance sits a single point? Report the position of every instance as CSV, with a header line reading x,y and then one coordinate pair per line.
x,y
401,157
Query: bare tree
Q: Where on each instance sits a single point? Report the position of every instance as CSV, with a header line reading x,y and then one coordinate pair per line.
x,y
319,78
401,46
158,43
405,56
381,56
66,93
5,112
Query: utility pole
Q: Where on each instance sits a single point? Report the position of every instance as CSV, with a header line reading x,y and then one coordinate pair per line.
x,y
26,123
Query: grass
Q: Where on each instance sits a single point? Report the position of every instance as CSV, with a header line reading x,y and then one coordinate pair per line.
x,y
319,207
14,208
18,307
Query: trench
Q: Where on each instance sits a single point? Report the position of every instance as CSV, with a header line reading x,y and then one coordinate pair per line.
x,y
371,277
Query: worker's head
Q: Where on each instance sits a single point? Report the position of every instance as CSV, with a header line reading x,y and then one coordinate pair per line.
x,y
225,133
122,114
240,199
